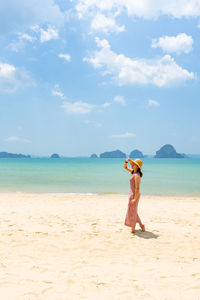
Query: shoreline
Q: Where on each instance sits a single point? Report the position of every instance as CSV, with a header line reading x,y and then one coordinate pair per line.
x,y
100,194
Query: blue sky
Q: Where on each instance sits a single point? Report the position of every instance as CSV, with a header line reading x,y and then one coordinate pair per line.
x,y
82,77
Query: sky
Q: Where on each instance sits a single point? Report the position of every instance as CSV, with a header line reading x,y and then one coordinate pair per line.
x,y
88,76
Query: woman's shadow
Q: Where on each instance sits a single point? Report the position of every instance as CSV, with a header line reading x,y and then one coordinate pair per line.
x,y
146,234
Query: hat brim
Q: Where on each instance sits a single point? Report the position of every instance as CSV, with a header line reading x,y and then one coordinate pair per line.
x,y
132,163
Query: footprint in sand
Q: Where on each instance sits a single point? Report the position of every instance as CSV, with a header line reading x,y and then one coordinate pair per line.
x,y
94,224
98,283
46,290
35,267
43,233
47,282
195,274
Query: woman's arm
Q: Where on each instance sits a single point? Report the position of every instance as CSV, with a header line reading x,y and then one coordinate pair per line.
x,y
125,166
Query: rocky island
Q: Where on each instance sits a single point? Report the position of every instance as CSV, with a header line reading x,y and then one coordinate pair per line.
x,y
13,155
113,154
55,155
94,156
136,154
168,151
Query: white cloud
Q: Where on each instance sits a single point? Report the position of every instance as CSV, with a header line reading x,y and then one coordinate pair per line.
x,y
120,100
57,92
105,24
27,37
182,43
49,34
153,103
124,70
124,135
106,104
12,78
16,139
41,34
78,107
35,28
67,57
148,9
21,42
117,99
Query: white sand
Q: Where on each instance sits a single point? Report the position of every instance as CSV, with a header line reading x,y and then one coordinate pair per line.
x,y
60,247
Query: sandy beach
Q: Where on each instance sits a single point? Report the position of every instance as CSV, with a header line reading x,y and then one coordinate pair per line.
x,y
61,246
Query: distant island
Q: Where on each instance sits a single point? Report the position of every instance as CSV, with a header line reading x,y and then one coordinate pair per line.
x,y
136,154
113,154
168,151
55,155
94,156
13,155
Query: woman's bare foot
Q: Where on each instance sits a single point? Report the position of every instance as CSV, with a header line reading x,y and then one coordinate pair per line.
x,y
143,227
133,230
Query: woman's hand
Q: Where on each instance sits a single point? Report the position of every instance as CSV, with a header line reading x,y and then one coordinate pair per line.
x,y
125,165
132,201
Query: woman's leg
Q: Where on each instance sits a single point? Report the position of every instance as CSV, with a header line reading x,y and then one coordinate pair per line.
x,y
140,223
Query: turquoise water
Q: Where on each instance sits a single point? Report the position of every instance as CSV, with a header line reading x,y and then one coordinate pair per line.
x,y
84,175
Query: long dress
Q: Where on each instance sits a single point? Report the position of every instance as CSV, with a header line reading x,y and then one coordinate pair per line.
x,y
132,212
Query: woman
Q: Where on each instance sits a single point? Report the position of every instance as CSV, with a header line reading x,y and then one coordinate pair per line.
x,y
134,195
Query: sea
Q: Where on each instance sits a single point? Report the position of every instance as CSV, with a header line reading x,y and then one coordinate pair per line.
x,y
180,177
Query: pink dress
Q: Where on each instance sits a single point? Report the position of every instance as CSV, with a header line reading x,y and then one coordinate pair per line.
x,y
132,215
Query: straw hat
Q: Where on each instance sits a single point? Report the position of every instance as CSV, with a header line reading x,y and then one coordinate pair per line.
x,y
138,162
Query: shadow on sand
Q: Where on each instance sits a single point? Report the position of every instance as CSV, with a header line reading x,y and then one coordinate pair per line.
x,y
146,234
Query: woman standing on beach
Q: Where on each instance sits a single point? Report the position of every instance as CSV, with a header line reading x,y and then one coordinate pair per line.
x,y
134,195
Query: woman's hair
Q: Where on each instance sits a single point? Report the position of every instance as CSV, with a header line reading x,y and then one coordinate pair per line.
x,y
138,171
